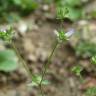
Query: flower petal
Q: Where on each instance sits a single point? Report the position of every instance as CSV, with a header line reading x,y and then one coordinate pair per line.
x,y
69,33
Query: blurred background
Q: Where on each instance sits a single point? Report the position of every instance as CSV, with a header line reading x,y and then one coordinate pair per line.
x,y
34,22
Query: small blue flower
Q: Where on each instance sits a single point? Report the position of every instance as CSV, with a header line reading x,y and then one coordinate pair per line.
x,y
62,36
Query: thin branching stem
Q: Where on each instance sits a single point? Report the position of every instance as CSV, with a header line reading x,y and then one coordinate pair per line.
x,y
45,67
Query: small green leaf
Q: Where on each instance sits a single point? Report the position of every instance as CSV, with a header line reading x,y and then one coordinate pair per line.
x,y
93,60
77,70
45,82
36,79
8,65
73,13
8,61
7,54
61,12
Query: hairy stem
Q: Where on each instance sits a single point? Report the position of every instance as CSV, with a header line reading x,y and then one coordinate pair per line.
x,y
45,66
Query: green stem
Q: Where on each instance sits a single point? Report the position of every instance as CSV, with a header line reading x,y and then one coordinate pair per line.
x,y
44,69
21,60
45,66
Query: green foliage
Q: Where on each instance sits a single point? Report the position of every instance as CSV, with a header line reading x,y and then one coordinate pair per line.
x,y
69,9
48,1
77,70
73,2
22,4
93,60
8,7
62,37
73,14
86,49
61,12
36,79
91,91
26,4
6,34
8,61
